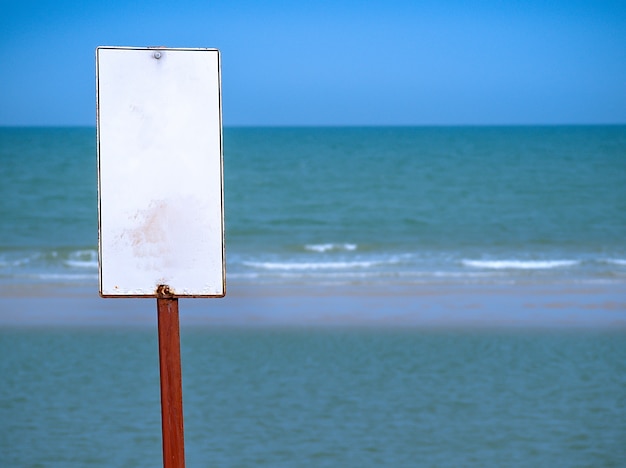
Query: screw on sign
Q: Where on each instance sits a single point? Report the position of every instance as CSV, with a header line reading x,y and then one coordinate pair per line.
x,y
161,232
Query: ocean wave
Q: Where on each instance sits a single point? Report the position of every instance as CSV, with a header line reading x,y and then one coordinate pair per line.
x,y
49,258
519,264
58,276
81,264
4,263
311,265
82,259
321,248
616,261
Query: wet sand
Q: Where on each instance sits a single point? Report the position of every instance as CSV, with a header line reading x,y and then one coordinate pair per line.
x,y
436,306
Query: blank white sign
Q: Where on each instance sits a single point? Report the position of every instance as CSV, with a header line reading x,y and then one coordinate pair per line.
x,y
160,183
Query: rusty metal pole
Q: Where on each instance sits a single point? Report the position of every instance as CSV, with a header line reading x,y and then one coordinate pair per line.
x,y
171,383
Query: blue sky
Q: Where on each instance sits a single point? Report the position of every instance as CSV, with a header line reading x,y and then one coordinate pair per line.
x,y
335,62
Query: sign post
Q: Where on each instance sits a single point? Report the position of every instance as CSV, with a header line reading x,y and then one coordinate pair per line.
x,y
171,383
160,194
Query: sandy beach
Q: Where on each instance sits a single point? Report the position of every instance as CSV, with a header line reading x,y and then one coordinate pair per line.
x,y
454,306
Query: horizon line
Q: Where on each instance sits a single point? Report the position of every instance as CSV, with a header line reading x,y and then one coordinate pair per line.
x,y
433,125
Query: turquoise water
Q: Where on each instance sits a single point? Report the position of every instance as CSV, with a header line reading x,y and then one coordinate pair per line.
x,y
340,398
317,206
353,205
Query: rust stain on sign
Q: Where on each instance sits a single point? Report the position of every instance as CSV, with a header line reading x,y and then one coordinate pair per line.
x,y
161,235
150,232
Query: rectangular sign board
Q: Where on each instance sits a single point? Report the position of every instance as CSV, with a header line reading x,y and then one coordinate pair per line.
x,y
160,176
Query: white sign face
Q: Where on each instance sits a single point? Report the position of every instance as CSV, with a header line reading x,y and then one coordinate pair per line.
x,y
160,183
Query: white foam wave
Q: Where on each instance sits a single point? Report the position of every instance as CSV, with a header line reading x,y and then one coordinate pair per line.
x,y
15,262
81,264
519,264
321,248
59,276
617,261
83,259
310,265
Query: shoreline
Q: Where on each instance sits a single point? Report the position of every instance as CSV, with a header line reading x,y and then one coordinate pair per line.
x,y
535,306
248,288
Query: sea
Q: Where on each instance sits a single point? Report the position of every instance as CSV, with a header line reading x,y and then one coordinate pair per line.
x,y
316,398
517,209
346,206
